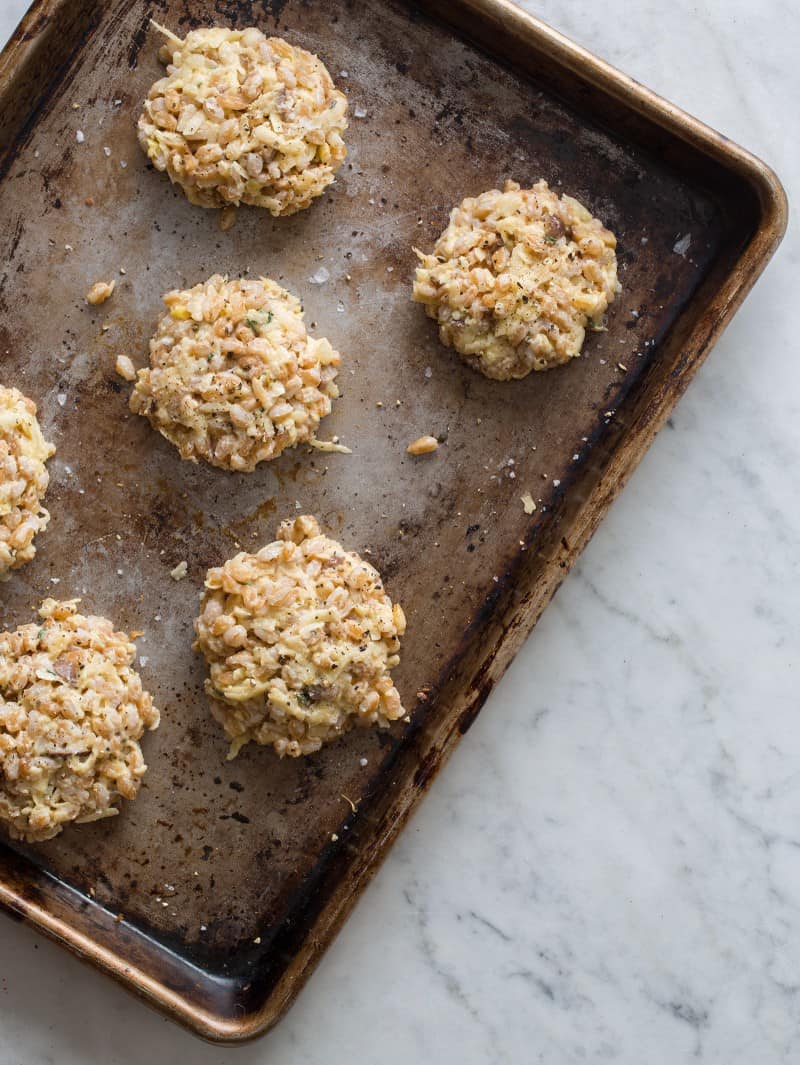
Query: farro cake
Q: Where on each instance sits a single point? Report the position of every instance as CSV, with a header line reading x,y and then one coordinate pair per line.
x,y
517,278
23,480
299,639
234,378
72,710
244,118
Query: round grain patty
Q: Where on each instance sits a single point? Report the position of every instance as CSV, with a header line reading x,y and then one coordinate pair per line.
x,y
516,279
23,479
243,118
72,710
234,377
299,639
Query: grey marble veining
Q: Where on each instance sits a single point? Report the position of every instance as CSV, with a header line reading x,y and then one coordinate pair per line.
x,y
609,868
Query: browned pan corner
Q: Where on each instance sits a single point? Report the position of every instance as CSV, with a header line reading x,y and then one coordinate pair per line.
x,y
95,891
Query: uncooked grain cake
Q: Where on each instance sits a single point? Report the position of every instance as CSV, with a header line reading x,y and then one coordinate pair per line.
x,y
244,118
300,639
517,278
234,378
72,712
23,480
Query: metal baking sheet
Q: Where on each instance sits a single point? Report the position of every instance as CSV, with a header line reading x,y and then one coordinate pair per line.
x,y
214,894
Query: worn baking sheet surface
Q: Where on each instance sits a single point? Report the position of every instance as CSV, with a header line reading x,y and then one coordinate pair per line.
x,y
215,855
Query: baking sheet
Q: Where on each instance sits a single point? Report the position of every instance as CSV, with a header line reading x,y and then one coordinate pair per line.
x,y
221,883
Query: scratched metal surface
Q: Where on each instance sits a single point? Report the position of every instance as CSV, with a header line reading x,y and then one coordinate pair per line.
x,y
214,854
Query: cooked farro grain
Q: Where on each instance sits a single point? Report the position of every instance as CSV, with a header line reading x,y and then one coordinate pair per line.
x,y
299,639
234,377
125,368
23,479
516,278
244,118
72,710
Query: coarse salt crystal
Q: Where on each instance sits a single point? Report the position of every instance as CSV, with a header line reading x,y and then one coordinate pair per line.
x,y
62,399
359,111
79,136
106,151
428,371
319,277
363,761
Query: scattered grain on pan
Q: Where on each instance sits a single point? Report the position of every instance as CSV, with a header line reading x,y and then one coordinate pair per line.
x,y
100,292
180,571
330,445
125,368
528,504
423,445
227,218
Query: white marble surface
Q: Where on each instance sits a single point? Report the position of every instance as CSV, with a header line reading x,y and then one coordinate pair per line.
x,y
609,868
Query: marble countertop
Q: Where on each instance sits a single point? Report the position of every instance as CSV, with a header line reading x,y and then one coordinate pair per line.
x,y
613,875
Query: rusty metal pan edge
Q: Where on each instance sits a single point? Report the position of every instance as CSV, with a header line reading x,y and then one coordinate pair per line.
x,y
515,617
